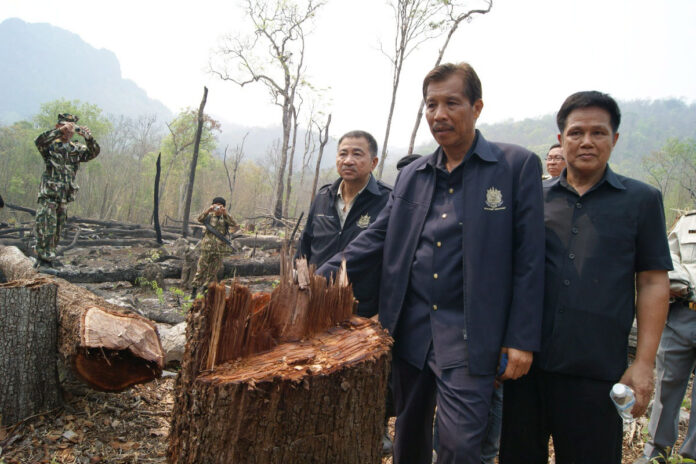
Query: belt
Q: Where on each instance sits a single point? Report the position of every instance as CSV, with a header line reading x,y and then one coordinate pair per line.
x,y
686,303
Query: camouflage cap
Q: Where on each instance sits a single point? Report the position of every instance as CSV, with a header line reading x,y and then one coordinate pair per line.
x,y
67,117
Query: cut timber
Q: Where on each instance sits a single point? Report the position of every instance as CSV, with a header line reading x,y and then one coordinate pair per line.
x,y
108,347
289,377
29,327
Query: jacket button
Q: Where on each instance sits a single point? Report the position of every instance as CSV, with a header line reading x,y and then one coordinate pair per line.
x,y
439,244
444,215
451,190
435,276
434,307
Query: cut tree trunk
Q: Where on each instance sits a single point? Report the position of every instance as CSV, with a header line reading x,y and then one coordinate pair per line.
x,y
287,377
106,346
29,328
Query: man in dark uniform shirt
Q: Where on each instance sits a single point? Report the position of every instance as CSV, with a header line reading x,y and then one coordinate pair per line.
x,y
606,260
342,210
461,245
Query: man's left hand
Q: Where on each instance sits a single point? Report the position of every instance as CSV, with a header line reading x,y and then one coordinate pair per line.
x,y
640,378
85,132
519,362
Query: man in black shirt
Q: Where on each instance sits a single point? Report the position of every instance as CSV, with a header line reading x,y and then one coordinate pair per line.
x,y
606,259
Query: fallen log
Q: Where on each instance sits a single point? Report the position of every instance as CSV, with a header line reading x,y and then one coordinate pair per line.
x,y
267,242
28,372
279,378
107,347
25,244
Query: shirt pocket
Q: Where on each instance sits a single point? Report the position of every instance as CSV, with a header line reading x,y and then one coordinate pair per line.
x,y
687,246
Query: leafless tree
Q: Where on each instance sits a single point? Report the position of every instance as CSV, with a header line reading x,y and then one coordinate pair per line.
x,y
309,149
237,157
291,161
280,27
415,24
323,140
194,162
455,14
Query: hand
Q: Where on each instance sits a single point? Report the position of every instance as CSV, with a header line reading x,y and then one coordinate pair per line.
x,y
640,378
519,362
67,128
85,132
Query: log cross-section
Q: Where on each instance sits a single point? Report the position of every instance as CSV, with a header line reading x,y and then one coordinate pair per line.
x,y
108,347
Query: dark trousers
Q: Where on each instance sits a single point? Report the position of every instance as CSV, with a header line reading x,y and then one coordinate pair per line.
x,y
463,402
575,411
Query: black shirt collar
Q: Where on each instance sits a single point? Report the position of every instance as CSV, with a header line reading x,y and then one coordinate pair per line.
x,y
371,186
609,177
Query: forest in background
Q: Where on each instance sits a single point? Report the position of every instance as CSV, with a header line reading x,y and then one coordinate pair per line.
x,y
657,145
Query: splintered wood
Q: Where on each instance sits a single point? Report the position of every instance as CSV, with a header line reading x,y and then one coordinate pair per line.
x,y
292,376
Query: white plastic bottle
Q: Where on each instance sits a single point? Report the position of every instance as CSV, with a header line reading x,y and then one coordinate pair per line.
x,y
624,399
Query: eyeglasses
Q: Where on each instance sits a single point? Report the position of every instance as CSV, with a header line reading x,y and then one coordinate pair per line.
x,y
554,158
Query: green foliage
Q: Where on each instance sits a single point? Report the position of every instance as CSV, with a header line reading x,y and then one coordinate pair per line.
x,y
672,459
144,283
183,299
90,115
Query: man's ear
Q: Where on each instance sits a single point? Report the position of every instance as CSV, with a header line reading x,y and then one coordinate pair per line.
x,y
375,160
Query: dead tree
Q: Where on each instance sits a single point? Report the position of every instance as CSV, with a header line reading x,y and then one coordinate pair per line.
x,y
280,28
155,212
323,140
194,163
106,346
415,23
286,377
28,371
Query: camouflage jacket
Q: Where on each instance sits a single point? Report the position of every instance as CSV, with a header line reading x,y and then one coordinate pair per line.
x,y
62,160
223,224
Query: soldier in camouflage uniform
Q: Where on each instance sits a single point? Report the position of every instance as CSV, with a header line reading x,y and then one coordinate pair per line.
x,y
62,158
212,248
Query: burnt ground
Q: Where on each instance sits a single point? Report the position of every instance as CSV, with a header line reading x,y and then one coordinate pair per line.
x,y
132,426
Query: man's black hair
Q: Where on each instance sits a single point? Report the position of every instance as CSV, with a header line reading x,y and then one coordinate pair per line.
x,y
555,145
589,99
357,134
219,201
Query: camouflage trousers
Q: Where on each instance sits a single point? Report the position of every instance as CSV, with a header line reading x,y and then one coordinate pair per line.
x,y
50,220
209,264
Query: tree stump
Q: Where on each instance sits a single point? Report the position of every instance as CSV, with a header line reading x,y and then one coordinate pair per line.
x,y
29,328
288,377
107,347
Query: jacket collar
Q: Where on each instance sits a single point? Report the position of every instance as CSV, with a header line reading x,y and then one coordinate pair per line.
x,y
371,186
481,149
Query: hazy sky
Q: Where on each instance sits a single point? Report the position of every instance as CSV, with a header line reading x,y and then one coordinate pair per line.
x,y
529,54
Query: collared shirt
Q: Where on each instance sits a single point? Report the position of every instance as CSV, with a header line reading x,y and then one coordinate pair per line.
x,y
682,245
435,297
595,245
341,207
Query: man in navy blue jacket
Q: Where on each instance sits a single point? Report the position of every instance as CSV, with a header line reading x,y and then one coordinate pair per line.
x,y
461,246
342,210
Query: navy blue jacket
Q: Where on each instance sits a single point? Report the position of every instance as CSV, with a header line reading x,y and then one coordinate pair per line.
x,y
502,249
323,236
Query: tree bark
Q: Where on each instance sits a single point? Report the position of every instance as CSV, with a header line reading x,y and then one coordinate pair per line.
x,y
155,213
278,378
323,140
106,346
194,163
29,327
